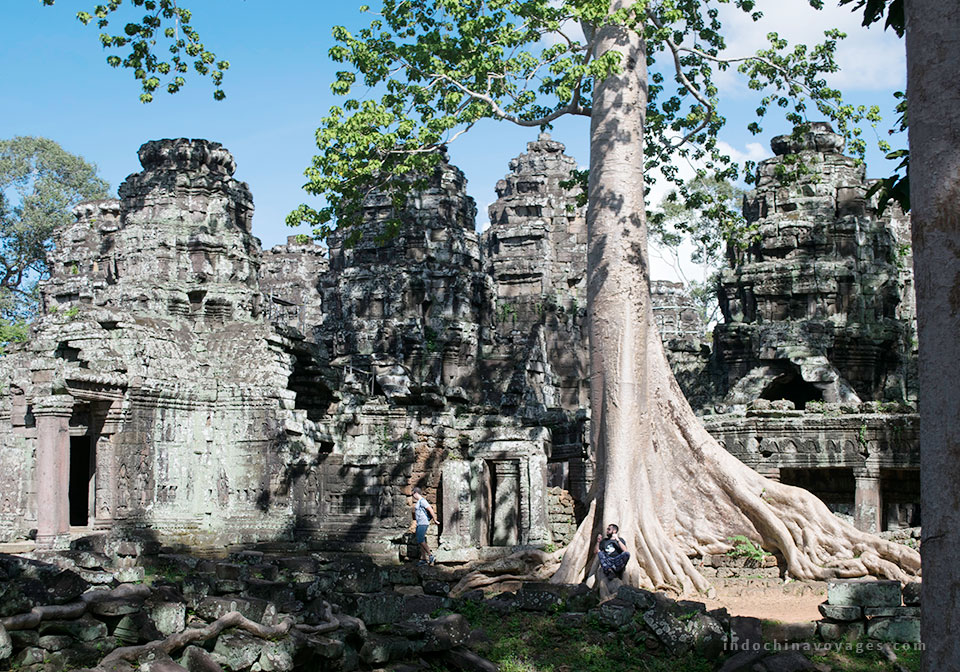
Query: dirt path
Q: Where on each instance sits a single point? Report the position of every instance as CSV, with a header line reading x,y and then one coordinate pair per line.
x,y
788,603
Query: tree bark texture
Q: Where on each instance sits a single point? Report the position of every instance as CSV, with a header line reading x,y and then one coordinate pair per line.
x,y
672,489
933,94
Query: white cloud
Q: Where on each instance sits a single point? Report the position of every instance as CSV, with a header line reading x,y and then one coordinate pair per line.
x,y
869,59
754,151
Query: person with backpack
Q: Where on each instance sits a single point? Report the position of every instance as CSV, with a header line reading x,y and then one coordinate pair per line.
x,y
423,514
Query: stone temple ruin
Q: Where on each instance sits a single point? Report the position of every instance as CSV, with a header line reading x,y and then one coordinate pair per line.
x,y
183,385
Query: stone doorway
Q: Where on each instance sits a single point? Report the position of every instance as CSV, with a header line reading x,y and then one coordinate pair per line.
x,y
504,525
80,492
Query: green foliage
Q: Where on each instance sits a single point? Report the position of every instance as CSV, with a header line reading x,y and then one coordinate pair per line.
x,y
506,312
421,74
39,184
164,21
12,332
744,548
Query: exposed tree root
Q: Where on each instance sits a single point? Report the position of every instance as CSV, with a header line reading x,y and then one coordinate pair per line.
x,y
32,618
529,564
174,642
233,619
684,495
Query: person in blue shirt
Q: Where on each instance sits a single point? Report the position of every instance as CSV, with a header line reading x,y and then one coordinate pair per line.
x,y
424,514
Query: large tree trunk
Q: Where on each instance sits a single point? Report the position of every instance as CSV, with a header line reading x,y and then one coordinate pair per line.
x,y
933,94
672,489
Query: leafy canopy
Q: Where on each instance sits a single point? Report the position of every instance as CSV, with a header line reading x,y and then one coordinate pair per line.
x,y
163,24
39,184
423,73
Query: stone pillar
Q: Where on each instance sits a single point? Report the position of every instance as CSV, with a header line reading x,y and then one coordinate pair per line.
x,y
535,526
506,503
53,470
457,505
867,507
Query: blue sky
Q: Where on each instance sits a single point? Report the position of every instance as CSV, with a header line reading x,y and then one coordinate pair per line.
x,y
56,84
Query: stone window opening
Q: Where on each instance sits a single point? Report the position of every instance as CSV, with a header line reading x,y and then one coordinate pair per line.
x,y
792,387
196,299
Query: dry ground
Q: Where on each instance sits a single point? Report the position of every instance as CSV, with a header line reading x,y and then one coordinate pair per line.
x,y
769,599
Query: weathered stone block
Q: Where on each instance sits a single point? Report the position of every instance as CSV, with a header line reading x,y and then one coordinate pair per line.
x,y
6,644
54,642
864,593
641,599
616,613
378,608
898,612
894,629
212,608
169,617
237,650
279,656
196,659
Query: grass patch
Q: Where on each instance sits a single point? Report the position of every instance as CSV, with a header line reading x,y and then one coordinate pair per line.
x,y
537,642
861,656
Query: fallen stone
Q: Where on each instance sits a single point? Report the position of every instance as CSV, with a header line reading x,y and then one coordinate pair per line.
x,y
742,661
169,617
467,661
196,659
422,605
785,661
708,636
137,627
212,608
29,656
746,634
84,629
833,632
440,588
863,593
840,612
54,642
376,608
279,656
616,613
6,644
641,599
324,647
379,649
237,650
358,575
446,632
159,662
129,575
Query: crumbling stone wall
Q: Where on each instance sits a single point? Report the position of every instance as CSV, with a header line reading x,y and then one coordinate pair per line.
x,y
817,339
813,312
